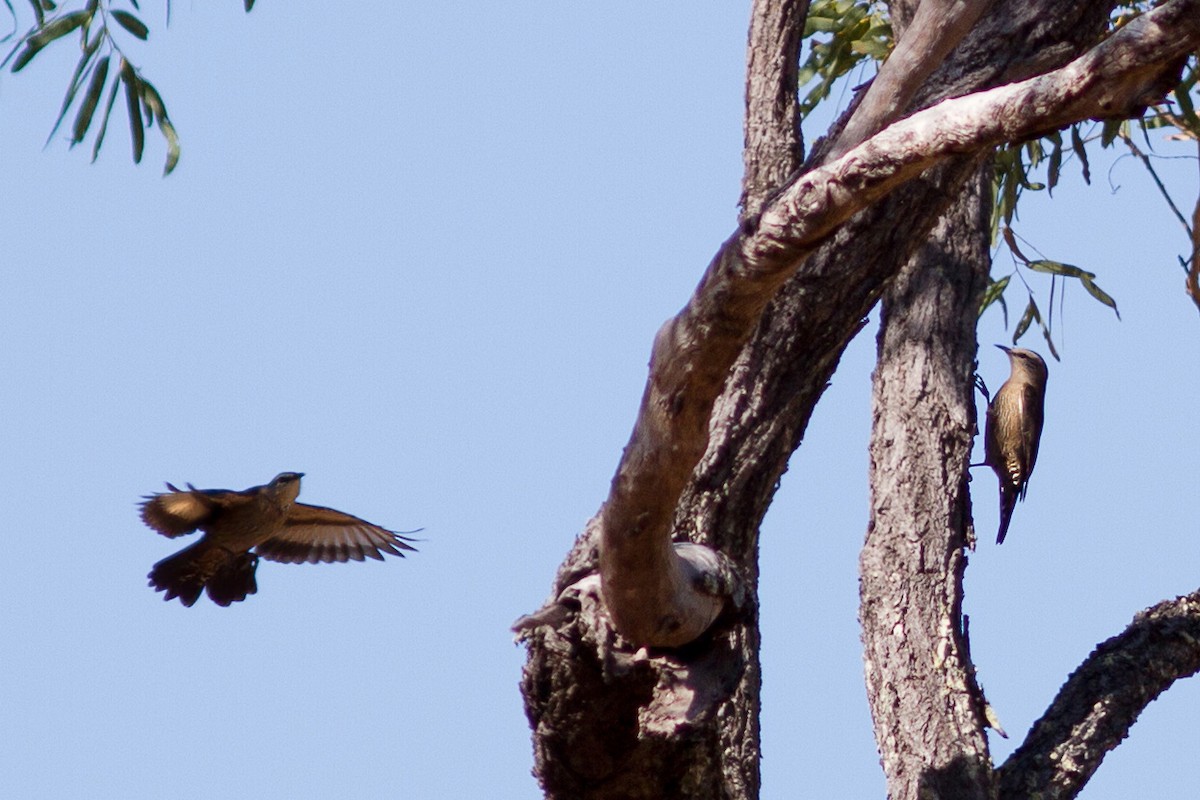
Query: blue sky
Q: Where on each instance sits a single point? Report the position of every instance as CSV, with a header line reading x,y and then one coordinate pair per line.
x,y
418,252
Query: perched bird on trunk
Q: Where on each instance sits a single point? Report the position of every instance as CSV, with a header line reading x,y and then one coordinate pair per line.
x,y
1014,428
239,527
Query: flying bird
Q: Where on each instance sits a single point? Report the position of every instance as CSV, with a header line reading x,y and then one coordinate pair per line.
x,y
240,527
1014,429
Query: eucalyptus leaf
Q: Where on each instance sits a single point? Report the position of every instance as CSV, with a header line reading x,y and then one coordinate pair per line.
x,y
1098,293
1081,152
55,29
1031,311
137,133
85,60
132,24
83,120
108,105
1058,268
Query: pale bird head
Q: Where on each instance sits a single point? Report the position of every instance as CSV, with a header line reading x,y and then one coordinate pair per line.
x,y
1026,364
286,485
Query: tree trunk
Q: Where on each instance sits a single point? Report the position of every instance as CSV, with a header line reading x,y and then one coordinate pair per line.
x,y
928,712
751,355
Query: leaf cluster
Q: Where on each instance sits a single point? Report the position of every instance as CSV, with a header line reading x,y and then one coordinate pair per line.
x,y
858,31
100,74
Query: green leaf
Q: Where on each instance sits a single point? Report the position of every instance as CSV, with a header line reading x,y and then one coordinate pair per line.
x,y
1031,312
994,292
154,103
1058,268
132,24
48,33
83,119
108,105
1111,130
249,5
168,130
1050,342
76,81
1054,169
137,133
38,13
1098,293
1081,153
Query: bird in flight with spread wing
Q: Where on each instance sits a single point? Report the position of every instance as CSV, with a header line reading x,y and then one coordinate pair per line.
x,y
241,527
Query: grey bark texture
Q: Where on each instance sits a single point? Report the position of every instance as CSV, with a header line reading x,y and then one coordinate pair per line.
x,y
928,711
626,698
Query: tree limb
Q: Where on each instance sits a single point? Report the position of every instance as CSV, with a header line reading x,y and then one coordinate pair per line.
x,y
645,588
937,28
1102,699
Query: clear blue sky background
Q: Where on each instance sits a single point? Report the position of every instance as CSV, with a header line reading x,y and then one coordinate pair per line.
x,y
418,251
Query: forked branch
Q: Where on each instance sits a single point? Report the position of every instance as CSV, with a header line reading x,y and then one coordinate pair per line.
x,y
647,590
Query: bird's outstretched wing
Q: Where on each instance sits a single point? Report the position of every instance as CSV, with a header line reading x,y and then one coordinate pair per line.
x,y
316,534
177,512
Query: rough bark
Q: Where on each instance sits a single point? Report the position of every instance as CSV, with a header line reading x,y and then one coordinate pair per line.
x,y
774,147
613,720
1099,703
927,710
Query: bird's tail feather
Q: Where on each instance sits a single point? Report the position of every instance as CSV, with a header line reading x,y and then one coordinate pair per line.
x,y
234,581
1008,501
229,577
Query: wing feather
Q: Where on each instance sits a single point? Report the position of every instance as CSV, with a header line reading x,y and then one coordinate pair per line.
x,y
176,512
315,534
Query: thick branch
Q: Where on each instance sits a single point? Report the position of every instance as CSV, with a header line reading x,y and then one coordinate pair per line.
x,y
774,147
1102,699
937,28
644,586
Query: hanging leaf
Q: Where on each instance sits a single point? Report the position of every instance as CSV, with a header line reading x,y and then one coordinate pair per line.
x,y
1055,167
108,105
47,34
83,120
1111,130
1057,268
132,24
1081,153
38,13
1098,293
1050,343
137,133
993,293
249,5
1031,312
1010,239
158,110
89,51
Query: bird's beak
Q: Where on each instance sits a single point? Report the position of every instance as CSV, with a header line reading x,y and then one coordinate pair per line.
x,y
300,474
1005,349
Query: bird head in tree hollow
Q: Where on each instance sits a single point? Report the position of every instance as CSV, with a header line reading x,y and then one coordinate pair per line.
x,y
240,527
1014,428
